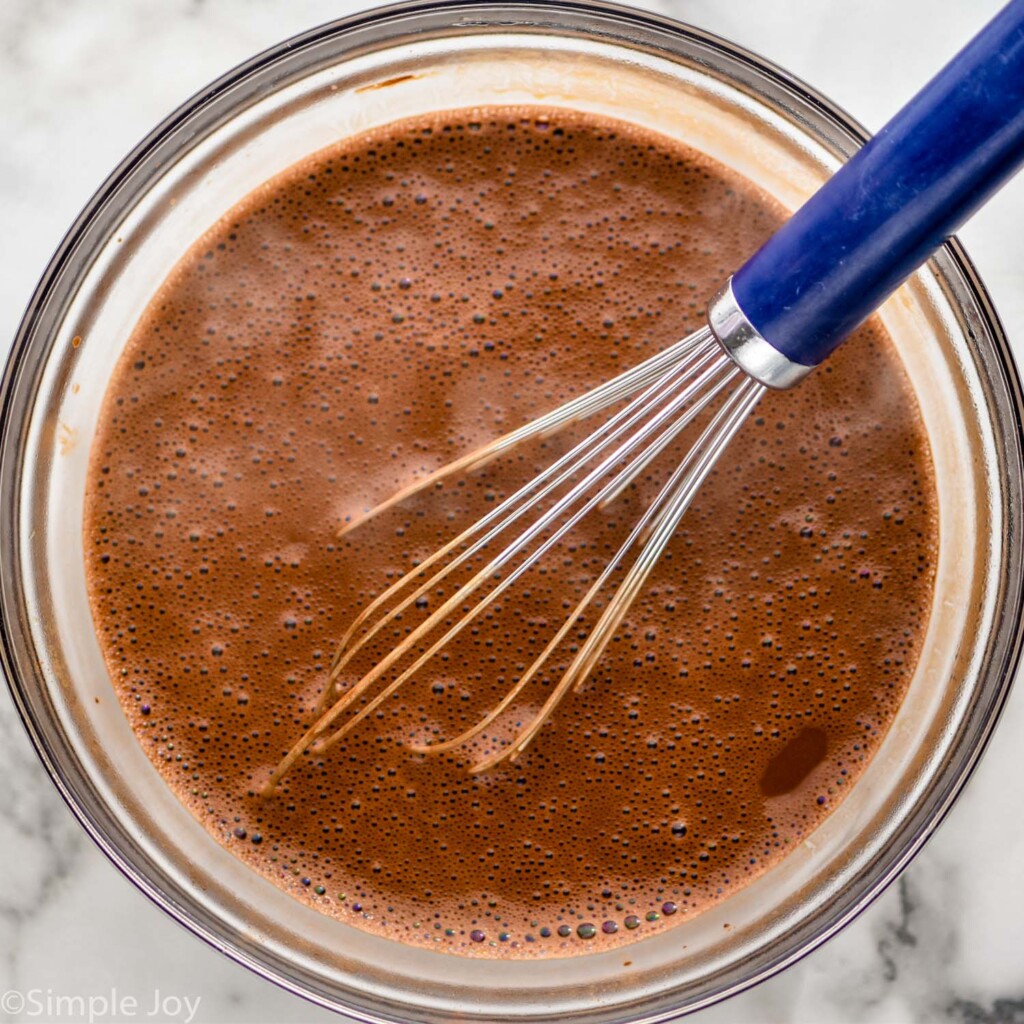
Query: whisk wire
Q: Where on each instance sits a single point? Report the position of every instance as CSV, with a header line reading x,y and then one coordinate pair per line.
x,y
667,392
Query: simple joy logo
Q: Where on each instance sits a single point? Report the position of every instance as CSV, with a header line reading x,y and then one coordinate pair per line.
x,y
46,1004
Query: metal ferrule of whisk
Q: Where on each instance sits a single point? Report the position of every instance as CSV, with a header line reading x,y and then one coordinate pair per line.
x,y
780,315
745,346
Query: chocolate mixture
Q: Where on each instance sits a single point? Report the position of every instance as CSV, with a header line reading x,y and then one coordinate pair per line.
x,y
363,318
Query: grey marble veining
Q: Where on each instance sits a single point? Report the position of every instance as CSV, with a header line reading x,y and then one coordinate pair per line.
x,y
80,82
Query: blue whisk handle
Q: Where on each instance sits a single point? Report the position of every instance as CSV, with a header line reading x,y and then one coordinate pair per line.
x,y
885,211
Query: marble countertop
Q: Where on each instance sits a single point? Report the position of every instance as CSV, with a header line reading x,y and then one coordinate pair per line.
x,y
80,82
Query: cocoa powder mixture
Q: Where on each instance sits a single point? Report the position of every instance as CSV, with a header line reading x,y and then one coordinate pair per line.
x,y
368,315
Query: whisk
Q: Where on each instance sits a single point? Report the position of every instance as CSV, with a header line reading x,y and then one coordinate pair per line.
x,y
780,315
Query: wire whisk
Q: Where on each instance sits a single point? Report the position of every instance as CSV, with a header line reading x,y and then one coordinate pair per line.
x,y
781,314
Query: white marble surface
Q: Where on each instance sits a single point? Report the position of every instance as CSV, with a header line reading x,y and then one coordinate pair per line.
x,y
80,82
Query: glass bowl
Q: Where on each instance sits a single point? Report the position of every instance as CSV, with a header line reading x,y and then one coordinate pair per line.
x,y
262,117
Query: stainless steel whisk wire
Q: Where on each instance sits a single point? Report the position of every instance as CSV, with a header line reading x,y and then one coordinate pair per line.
x,y
667,391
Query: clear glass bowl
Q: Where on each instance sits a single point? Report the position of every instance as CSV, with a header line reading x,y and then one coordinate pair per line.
x,y
259,119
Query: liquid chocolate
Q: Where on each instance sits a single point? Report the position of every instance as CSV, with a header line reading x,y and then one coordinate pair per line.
x,y
363,318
